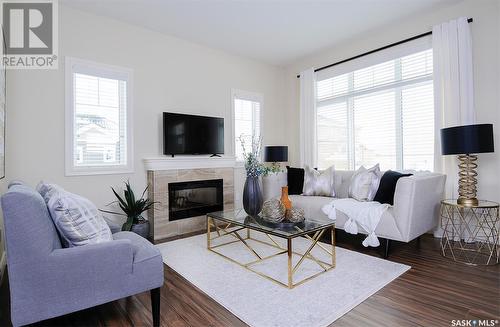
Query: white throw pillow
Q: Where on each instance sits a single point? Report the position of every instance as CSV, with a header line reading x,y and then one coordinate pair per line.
x,y
364,183
319,183
76,218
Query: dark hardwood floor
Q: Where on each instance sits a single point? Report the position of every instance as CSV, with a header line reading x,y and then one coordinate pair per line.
x,y
433,293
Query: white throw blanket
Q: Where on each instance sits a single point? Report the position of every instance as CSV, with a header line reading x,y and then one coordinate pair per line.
x,y
365,214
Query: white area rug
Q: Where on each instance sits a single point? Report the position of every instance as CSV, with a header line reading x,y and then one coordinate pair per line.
x,y
262,303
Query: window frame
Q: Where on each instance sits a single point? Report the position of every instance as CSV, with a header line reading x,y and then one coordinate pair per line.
x,y
75,65
248,96
397,86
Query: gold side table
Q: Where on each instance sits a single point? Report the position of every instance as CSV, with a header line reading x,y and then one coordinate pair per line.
x,y
470,233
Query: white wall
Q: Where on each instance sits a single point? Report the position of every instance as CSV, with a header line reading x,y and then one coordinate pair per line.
x,y
169,75
486,53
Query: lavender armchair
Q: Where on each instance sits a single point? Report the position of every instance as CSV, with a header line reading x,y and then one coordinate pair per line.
x,y
47,280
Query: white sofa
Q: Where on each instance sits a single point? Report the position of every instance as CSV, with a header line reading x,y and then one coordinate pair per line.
x,y
415,210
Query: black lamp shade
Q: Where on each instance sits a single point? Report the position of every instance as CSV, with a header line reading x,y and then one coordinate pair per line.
x,y
278,153
467,139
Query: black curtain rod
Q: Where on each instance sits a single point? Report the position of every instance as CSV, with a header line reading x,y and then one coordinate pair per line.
x,y
470,20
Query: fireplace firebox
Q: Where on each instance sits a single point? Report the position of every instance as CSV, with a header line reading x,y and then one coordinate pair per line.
x,y
194,198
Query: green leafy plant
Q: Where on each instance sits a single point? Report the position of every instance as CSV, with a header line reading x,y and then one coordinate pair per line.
x,y
132,207
274,168
253,166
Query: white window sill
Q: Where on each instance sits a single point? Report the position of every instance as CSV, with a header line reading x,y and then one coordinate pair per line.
x,y
98,171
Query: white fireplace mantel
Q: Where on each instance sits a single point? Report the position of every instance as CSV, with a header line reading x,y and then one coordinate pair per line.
x,y
189,162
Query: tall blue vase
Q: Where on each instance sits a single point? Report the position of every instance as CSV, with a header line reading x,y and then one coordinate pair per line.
x,y
252,196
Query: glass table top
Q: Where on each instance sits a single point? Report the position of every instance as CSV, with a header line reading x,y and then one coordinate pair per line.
x,y
482,204
240,218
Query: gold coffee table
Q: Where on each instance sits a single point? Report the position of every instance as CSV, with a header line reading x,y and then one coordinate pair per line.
x,y
232,223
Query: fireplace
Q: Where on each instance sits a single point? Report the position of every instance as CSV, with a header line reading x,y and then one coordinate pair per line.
x,y
164,172
194,198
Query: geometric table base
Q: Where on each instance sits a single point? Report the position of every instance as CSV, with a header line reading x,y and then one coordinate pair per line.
x,y
470,233
288,251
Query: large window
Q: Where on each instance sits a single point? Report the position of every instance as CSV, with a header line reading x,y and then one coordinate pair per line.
x,y
247,110
382,113
98,112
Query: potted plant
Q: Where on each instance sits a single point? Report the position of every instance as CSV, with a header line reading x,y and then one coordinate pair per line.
x,y
133,209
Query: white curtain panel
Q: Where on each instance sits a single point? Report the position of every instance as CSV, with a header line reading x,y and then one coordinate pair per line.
x,y
308,118
453,90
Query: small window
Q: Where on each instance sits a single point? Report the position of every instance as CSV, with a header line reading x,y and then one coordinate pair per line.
x,y
247,111
98,124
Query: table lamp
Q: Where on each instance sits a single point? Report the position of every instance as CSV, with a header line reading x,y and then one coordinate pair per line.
x,y
466,141
276,153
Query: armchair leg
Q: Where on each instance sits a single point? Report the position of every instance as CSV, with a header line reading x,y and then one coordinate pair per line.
x,y
386,249
155,306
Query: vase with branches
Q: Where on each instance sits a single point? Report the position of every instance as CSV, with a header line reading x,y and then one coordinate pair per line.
x,y
252,194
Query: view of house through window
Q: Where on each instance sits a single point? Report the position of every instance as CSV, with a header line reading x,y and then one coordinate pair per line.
x,y
247,114
379,114
98,110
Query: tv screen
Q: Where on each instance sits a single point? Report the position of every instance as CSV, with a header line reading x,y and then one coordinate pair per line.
x,y
190,134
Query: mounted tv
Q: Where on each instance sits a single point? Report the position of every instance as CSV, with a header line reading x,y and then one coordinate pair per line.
x,y
190,134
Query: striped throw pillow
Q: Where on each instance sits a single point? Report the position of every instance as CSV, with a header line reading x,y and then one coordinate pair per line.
x,y
76,218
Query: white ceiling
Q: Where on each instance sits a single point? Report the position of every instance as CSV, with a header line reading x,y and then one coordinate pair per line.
x,y
274,31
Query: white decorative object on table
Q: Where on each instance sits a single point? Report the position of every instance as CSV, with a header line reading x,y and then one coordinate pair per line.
x,y
296,215
273,210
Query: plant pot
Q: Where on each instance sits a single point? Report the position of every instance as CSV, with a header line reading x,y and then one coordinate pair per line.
x,y
252,196
141,229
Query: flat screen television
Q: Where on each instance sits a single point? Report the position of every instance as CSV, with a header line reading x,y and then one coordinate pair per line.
x,y
190,134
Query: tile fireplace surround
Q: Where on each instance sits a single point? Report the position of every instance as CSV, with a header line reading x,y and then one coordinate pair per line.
x,y
162,171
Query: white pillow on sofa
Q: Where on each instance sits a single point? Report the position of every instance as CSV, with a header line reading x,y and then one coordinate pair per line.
x,y
364,183
76,218
319,183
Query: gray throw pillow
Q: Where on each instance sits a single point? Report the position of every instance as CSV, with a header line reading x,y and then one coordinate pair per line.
x,y
364,183
76,218
320,183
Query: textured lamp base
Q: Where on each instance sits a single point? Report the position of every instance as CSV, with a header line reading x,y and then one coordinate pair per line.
x,y
468,202
467,181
